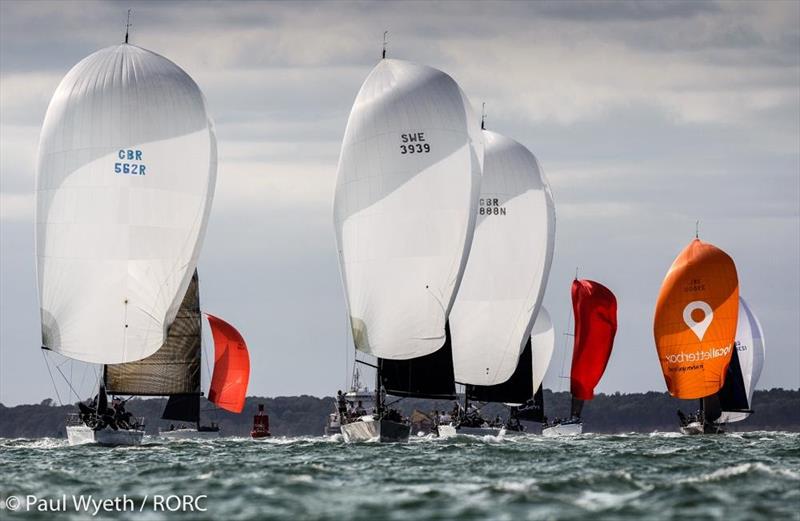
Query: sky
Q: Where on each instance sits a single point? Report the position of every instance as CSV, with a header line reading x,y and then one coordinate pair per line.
x,y
646,117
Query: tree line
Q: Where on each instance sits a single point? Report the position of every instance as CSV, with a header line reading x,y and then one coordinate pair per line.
x,y
776,409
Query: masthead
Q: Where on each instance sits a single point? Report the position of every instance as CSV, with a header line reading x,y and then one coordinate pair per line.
x,y
128,25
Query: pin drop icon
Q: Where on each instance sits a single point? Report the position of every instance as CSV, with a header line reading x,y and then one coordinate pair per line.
x,y
700,327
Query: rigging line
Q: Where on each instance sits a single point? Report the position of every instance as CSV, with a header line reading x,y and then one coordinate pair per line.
x,y
564,351
347,350
394,402
52,380
69,384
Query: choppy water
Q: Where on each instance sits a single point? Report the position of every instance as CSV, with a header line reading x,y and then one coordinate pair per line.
x,y
658,476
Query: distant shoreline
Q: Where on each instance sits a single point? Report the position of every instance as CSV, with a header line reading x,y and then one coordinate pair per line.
x,y
776,410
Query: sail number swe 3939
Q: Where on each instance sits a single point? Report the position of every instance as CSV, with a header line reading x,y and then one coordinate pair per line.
x,y
414,143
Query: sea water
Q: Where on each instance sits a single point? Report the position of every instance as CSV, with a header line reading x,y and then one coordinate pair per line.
x,y
746,476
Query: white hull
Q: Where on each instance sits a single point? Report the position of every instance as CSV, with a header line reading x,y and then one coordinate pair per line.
x,y
188,434
692,428
569,429
81,435
447,431
480,431
368,429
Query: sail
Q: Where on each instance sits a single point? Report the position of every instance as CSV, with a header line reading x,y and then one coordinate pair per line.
x,y
695,320
749,355
542,343
533,410
231,366
124,181
595,309
173,369
529,373
182,407
509,262
517,390
404,209
428,376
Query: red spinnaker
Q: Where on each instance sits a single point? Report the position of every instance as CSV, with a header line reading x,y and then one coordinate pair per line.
x,y
595,309
231,366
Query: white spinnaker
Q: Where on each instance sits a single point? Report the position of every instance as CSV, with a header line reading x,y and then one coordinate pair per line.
x,y
750,350
125,177
542,343
404,219
506,275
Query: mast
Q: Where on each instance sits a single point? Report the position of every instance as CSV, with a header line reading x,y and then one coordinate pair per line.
x,y
128,25
383,54
378,400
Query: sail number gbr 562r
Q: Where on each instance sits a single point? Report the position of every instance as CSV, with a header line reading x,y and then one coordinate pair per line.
x,y
130,162
414,143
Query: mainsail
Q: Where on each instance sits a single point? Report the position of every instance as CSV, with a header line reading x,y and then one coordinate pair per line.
x,y
231,366
509,263
124,182
695,320
404,210
595,310
736,395
173,369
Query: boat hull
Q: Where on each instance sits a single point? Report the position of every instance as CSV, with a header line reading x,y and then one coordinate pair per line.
x,y
563,429
189,434
384,431
695,428
479,431
82,435
446,431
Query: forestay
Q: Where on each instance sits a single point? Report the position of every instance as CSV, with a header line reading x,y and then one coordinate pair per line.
x,y
125,178
509,262
405,204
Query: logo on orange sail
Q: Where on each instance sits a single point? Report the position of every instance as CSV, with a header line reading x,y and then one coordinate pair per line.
x,y
697,322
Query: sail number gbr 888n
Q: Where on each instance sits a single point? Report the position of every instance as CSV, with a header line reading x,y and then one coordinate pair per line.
x,y
414,143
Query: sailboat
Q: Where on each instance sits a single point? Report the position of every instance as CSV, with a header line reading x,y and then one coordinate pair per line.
x,y
747,361
522,393
695,329
124,182
504,283
595,310
404,214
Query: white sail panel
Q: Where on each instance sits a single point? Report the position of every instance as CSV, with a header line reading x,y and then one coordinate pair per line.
x,y
407,186
506,275
124,182
751,352
542,344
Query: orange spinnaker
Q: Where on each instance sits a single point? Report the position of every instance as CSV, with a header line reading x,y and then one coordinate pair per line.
x,y
695,320
231,366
